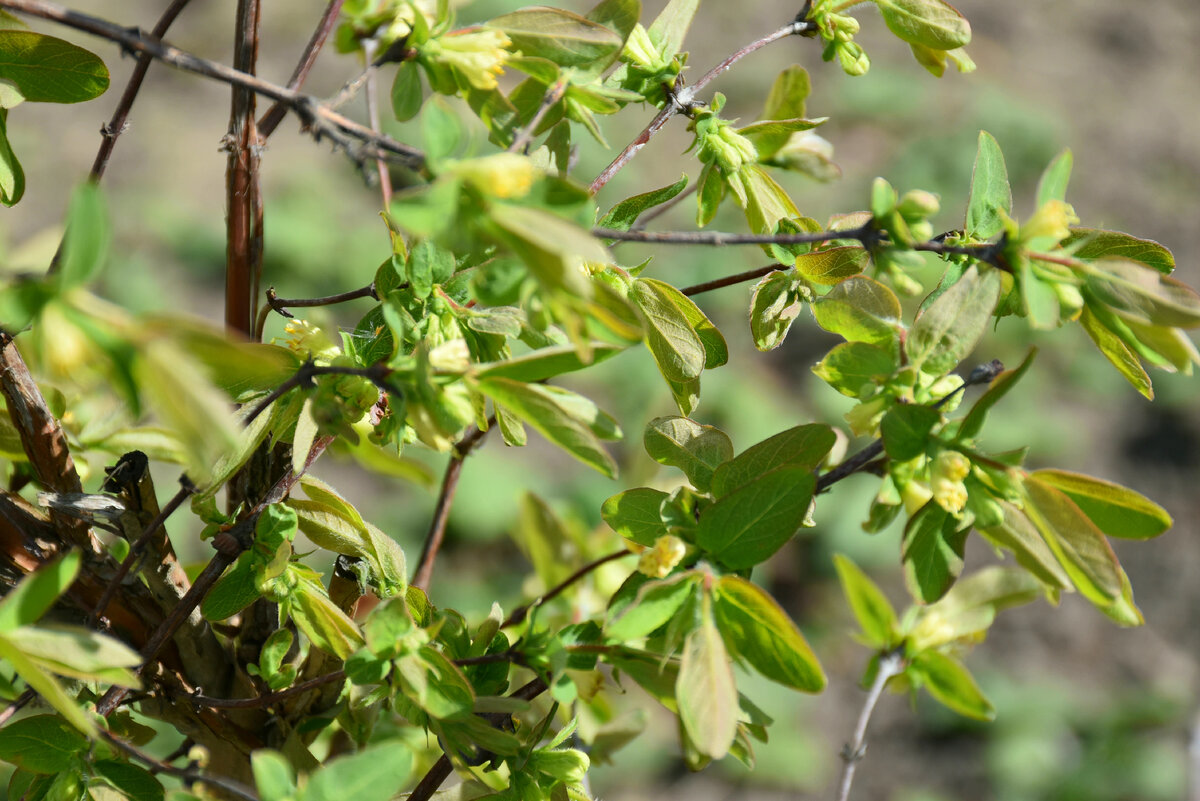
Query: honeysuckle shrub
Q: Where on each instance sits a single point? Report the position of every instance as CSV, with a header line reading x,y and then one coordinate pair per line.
x,y
505,274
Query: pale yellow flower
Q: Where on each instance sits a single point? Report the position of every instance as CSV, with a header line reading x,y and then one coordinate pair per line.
x,y
477,55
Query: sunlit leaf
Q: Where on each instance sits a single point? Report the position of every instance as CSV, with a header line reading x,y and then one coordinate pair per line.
x,y
697,450
874,614
41,744
1117,511
949,682
634,514
757,630
947,330
990,192
49,70
706,692
751,523
33,596
801,446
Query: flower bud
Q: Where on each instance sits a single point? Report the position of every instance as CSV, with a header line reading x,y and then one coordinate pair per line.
x,y
504,175
918,204
659,561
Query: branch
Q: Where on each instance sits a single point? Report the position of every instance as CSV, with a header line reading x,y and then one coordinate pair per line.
x,y
680,101
891,664
270,121
730,280
441,513
117,125
385,178
243,199
270,698
320,120
867,234
303,377
518,614
526,134
189,775
280,305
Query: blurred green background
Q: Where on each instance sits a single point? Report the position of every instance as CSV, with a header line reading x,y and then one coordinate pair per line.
x,y
1084,710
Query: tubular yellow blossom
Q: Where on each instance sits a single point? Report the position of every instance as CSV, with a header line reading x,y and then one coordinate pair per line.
x,y
950,495
307,339
1052,221
477,55
952,465
504,175
659,561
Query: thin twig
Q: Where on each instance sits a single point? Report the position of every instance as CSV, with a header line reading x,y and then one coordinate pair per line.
x,y
275,114
526,134
866,234
730,280
281,305
189,775
681,100
119,122
320,120
518,614
891,664
135,549
385,178
270,698
441,513
17,705
377,374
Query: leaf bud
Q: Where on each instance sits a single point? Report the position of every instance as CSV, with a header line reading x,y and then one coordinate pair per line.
x,y
567,765
853,58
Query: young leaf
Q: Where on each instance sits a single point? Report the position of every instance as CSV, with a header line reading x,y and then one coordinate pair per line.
x,y
37,592
1018,534
406,91
1119,354
1143,294
85,245
670,28
706,692
1053,183
374,774
672,341
1078,545
861,309
78,653
756,629
41,744
716,351
932,551
932,23
535,405
634,514
49,70
46,686
831,267
324,624
949,682
233,592
655,604
1093,243
273,775
567,39
751,523
990,192
946,332
1117,511
874,614
803,446
853,367
695,449
136,784
774,306
972,424
622,216
905,430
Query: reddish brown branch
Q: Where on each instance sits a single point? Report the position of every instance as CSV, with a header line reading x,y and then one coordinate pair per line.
x,y
242,236
275,114
441,513
518,614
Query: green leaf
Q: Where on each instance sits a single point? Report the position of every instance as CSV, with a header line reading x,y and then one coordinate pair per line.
x,y
951,685
46,686
756,629
785,101
373,774
861,309
830,267
932,552
49,70
273,775
706,691
622,216
802,446
716,351
549,245
233,592
905,430
542,538
1077,543
546,362
332,523
947,330
620,15
41,744
972,424
655,604
1094,243
137,784
774,306
675,345
871,609
932,23
1117,511
1120,355
670,27
751,523
441,129
1138,292
634,514
854,368
36,593
990,192
547,412
406,91
78,653
695,449
428,265
1053,183
567,39
1018,534
12,177
85,244
324,623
